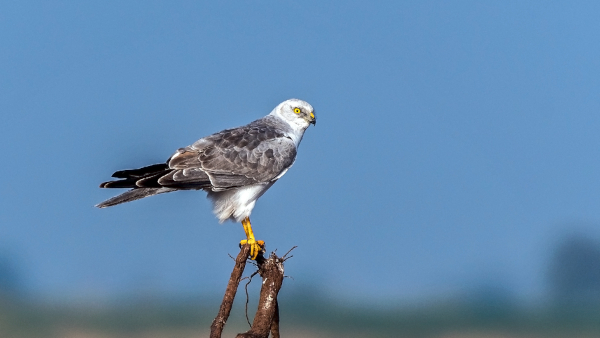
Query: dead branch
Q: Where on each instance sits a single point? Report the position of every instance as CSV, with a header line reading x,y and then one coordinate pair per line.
x,y
275,322
266,318
219,322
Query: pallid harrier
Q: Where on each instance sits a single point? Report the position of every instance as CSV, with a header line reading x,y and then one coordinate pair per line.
x,y
235,166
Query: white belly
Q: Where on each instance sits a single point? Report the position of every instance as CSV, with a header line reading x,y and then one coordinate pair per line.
x,y
236,204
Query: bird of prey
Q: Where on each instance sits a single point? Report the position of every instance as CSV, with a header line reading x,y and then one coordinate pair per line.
x,y
234,166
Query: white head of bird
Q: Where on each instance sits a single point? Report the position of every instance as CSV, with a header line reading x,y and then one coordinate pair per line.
x,y
297,113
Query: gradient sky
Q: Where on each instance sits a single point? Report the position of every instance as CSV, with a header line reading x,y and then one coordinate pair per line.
x,y
456,144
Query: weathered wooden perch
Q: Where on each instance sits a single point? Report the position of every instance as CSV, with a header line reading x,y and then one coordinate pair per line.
x,y
266,318
236,275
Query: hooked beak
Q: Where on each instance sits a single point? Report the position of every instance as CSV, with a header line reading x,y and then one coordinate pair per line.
x,y
314,119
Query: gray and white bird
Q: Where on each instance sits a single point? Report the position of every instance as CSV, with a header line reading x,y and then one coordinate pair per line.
x,y
234,166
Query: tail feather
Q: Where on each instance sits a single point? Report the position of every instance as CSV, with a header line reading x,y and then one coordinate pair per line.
x,y
151,180
132,195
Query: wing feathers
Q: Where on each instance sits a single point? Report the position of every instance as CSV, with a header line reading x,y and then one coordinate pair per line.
x,y
128,183
187,178
233,158
141,172
184,158
151,181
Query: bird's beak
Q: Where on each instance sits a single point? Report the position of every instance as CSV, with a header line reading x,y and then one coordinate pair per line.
x,y
313,120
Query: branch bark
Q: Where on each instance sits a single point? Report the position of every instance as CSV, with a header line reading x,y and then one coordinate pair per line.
x,y
266,318
275,322
236,275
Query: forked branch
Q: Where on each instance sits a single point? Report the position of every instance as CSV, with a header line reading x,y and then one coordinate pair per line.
x,y
266,318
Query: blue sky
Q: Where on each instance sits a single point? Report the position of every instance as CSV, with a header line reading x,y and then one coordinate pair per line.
x,y
457,142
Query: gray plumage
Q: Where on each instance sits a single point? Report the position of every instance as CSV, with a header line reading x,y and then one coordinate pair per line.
x,y
132,195
235,166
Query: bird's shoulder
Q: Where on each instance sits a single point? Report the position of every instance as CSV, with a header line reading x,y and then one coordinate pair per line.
x,y
263,142
248,136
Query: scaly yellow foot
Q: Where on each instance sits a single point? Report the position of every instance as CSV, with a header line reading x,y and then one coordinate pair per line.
x,y
255,246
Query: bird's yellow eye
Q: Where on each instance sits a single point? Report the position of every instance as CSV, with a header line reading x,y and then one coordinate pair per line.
x,y
297,110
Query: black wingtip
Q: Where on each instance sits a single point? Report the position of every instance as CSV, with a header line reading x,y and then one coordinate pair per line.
x,y
128,183
141,172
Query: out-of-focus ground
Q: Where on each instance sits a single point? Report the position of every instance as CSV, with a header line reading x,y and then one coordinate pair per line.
x,y
300,317
570,309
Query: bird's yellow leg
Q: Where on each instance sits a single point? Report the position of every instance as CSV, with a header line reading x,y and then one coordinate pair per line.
x,y
255,246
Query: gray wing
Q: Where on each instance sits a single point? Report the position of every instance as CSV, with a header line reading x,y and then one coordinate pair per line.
x,y
232,158
256,153
253,154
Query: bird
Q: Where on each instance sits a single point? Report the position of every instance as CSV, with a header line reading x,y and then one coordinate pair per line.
x,y
234,166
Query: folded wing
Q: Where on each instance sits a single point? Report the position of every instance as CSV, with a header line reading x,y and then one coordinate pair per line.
x,y
229,159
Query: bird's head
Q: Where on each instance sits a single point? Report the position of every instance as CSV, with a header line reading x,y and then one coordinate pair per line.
x,y
296,112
